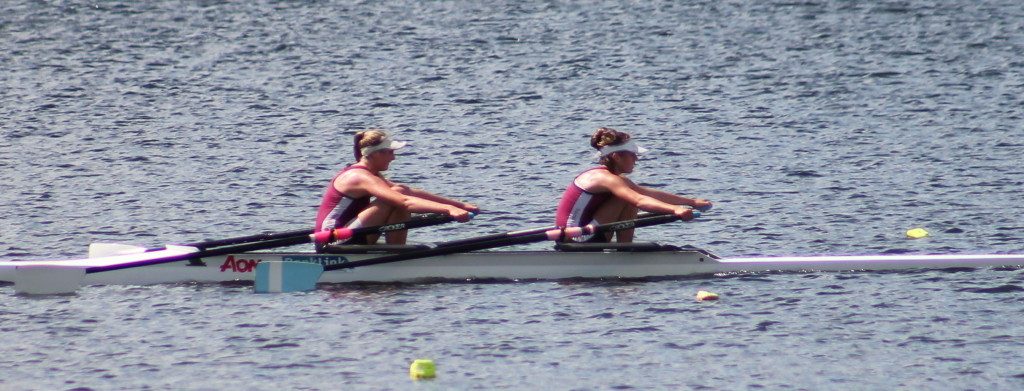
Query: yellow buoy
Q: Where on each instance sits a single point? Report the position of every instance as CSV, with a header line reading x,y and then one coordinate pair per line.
x,y
422,369
917,233
705,295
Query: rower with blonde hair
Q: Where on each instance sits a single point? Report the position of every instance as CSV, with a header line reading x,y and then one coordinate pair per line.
x,y
361,196
604,194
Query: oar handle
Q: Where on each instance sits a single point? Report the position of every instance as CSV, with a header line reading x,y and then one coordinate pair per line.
x,y
645,221
346,233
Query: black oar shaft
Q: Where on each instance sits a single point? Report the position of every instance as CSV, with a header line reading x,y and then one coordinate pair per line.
x,y
448,249
213,252
457,242
249,239
490,241
283,239
511,234
415,222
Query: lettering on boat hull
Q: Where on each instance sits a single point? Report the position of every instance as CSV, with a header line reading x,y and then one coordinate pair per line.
x,y
325,260
239,265
234,264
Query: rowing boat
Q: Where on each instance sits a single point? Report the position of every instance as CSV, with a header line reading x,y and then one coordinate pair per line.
x,y
295,272
637,260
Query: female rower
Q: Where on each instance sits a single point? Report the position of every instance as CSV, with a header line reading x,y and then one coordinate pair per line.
x,y
360,196
604,195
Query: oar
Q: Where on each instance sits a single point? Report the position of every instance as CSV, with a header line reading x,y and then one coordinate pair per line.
x,y
511,239
284,241
98,250
503,235
106,249
298,276
511,234
250,239
65,276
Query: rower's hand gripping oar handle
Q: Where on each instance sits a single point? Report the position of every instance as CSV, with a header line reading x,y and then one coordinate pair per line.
x,y
337,234
628,224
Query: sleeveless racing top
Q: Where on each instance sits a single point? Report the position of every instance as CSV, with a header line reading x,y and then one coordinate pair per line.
x,y
578,206
338,209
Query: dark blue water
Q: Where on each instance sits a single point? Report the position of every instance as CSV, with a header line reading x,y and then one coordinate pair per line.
x,y
825,127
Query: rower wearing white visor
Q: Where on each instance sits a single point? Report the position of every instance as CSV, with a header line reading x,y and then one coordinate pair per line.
x,y
604,195
360,196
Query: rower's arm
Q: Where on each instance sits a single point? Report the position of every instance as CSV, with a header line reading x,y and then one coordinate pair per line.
x,y
634,194
439,199
385,191
670,198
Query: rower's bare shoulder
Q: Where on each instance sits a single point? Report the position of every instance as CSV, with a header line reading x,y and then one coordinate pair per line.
x,y
598,180
353,180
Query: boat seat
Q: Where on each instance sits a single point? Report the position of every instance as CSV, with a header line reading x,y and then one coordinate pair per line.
x,y
619,247
371,248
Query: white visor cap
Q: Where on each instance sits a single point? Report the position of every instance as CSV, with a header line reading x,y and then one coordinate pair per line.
x,y
387,143
628,146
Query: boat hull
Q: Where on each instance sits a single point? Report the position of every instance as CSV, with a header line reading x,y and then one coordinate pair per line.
x,y
517,265
511,265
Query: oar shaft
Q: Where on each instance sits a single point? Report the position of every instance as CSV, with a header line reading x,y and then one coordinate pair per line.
x,y
451,249
277,240
417,222
487,242
341,233
457,242
644,221
249,239
511,234
213,252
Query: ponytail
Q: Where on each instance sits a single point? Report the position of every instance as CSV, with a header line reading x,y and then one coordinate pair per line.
x,y
603,137
366,138
357,151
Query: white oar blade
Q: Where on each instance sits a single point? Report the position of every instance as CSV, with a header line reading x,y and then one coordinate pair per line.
x,y
47,280
100,250
281,276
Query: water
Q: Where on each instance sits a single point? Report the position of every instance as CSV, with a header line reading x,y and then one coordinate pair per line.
x,y
825,127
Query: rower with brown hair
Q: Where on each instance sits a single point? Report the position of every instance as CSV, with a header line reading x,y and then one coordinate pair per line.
x,y
604,194
360,195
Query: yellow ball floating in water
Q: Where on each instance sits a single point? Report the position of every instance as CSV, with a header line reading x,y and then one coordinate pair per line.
x,y
422,369
705,296
917,233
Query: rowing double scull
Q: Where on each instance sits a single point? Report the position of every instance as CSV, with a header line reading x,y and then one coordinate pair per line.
x,y
243,259
641,260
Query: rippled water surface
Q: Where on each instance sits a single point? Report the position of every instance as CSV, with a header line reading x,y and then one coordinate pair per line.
x,y
820,127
